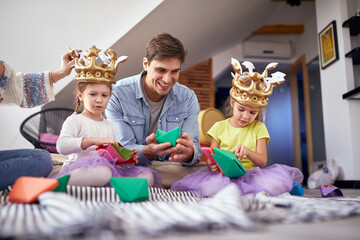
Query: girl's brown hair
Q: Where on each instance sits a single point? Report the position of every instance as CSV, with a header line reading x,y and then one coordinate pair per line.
x,y
81,86
228,110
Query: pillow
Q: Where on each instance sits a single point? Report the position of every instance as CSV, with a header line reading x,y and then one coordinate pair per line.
x,y
49,138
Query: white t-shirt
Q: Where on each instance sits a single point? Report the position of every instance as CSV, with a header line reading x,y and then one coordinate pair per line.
x,y
75,128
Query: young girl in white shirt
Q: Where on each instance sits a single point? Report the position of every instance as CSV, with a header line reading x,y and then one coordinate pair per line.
x,y
82,133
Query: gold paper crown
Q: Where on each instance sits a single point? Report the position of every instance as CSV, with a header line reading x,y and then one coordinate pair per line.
x,y
87,69
251,88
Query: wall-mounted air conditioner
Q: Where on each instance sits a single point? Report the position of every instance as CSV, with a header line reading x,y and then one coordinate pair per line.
x,y
267,49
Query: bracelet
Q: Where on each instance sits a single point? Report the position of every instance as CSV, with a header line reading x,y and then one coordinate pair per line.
x,y
51,77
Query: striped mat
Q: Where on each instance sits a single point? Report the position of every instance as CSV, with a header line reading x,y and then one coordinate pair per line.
x,y
88,211
108,194
98,213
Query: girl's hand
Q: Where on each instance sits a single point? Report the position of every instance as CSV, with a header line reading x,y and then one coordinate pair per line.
x,y
213,167
241,151
135,156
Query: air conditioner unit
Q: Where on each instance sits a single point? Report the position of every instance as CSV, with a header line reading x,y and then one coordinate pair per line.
x,y
267,49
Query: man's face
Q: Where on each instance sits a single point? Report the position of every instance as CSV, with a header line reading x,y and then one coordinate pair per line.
x,y
161,77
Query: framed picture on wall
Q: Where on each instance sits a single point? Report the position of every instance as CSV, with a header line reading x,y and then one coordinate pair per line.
x,y
329,52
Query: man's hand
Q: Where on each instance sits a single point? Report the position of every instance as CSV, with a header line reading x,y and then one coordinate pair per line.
x,y
184,149
154,149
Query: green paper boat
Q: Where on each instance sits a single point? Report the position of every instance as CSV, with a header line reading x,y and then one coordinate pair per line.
x,y
62,183
124,152
228,163
131,189
171,136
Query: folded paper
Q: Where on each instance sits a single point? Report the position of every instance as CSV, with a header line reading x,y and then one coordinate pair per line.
x,y
28,189
171,136
297,190
330,191
208,153
62,183
131,189
228,163
116,152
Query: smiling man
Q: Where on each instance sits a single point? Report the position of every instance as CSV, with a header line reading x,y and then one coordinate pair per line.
x,y
153,100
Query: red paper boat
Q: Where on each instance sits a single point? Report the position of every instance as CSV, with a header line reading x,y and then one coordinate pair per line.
x,y
116,152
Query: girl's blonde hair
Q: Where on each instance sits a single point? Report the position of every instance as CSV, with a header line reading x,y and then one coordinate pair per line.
x,y
81,86
228,110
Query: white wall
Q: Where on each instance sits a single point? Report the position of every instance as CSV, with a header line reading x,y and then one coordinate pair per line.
x,y
341,117
34,35
306,43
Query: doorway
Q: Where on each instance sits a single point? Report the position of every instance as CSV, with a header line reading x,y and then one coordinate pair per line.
x,y
307,119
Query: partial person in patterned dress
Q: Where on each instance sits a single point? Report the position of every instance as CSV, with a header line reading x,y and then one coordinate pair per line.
x,y
28,90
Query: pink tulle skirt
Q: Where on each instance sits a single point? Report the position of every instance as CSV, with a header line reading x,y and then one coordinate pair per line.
x,y
123,170
275,179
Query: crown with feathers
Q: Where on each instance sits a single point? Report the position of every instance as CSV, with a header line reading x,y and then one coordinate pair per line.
x,y
251,88
89,71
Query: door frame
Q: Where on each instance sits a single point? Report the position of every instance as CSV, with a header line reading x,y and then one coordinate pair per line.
x,y
292,71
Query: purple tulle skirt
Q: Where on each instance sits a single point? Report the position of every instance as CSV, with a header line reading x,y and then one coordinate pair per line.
x,y
123,170
275,179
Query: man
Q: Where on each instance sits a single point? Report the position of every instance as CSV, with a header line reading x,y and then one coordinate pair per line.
x,y
154,100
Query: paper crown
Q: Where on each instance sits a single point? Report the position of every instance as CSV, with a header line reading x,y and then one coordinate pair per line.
x,y
89,71
251,88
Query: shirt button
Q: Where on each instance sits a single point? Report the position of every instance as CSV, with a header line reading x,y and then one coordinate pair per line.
x,y
133,121
159,120
177,118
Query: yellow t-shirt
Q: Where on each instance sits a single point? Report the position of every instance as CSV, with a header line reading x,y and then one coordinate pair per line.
x,y
229,137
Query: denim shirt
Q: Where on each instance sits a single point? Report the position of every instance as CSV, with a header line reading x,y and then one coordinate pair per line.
x,y
130,111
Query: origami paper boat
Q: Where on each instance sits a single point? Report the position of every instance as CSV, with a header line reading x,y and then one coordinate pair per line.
x,y
330,191
62,183
227,161
208,153
171,136
116,152
28,189
131,189
297,190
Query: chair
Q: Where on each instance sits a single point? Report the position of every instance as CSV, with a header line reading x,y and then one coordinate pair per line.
x,y
207,118
42,129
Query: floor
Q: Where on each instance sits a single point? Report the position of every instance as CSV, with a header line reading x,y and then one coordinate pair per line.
x,y
343,229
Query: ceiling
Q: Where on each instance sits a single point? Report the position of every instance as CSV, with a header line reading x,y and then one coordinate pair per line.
x,y
206,27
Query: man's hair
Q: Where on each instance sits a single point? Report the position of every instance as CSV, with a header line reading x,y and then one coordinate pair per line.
x,y
164,46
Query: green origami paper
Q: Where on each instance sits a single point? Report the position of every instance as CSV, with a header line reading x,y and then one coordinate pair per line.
x,y
131,189
228,163
62,183
224,153
171,136
124,152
